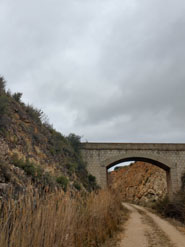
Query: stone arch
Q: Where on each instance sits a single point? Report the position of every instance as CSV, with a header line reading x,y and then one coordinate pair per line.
x,y
154,159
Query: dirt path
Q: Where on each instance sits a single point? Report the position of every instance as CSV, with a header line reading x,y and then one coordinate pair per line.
x,y
145,229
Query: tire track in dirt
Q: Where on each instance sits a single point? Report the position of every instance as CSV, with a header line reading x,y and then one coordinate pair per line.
x,y
134,234
145,229
175,236
155,236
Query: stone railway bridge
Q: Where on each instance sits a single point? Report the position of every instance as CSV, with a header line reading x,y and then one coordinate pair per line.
x,y
101,156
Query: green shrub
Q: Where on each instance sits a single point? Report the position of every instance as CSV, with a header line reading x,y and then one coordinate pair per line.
x,y
30,168
92,181
77,186
81,164
27,166
72,167
18,162
57,142
52,151
17,96
4,102
2,85
63,182
47,179
37,138
5,123
35,114
92,178
74,140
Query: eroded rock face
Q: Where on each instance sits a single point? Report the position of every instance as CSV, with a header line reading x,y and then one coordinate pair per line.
x,y
140,182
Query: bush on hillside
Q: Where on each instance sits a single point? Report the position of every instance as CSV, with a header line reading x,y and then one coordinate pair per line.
x,y
2,85
91,178
92,181
63,182
77,186
57,142
29,168
17,96
36,173
35,114
74,140
4,101
5,119
71,167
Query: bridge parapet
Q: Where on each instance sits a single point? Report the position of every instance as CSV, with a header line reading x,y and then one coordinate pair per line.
x,y
133,146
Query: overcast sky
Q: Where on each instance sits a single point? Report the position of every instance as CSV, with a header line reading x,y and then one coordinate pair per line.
x,y
107,70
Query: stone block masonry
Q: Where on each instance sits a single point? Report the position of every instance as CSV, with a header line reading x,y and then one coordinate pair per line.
x,y
170,157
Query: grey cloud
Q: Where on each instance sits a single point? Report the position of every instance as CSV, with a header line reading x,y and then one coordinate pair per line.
x,y
107,70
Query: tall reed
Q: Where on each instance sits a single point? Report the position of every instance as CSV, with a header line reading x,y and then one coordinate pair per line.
x,y
59,220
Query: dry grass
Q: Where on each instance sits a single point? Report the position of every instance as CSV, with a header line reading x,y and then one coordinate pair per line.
x,y
59,220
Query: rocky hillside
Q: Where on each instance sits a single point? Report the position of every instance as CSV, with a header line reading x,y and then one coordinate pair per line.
x,y
32,153
139,182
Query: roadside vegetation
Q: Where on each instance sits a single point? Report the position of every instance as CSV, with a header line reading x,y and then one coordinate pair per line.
x,y
174,208
60,220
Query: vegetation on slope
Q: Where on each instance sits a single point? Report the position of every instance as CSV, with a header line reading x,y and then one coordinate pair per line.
x,y
31,150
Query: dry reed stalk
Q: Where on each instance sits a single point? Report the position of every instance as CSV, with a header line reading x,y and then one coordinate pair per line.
x,y
58,220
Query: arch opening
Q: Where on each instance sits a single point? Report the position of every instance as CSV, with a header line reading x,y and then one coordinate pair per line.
x,y
142,159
